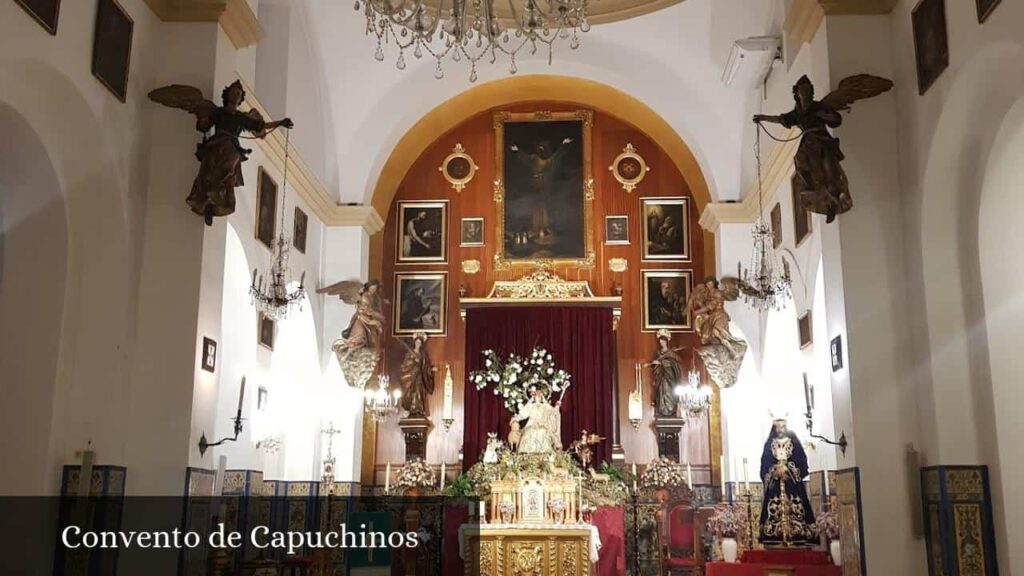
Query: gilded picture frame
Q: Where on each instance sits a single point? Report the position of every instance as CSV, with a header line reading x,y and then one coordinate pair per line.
x,y
662,239
517,247
429,220
428,314
629,168
458,168
663,300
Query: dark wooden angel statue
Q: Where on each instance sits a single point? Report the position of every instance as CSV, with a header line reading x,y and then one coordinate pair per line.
x,y
820,179
220,155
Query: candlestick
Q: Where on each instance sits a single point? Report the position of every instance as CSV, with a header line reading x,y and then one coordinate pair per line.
x,y
241,397
448,410
689,476
746,480
442,475
387,478
825,473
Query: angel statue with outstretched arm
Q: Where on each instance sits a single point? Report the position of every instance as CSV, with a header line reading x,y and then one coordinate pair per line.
x,y
820,179
721,352
220,155
359,348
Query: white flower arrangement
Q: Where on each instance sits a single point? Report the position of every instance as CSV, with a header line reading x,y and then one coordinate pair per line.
x,y
516,378
414,474
662,473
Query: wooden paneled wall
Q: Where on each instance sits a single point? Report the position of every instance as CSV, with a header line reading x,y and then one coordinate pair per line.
x,y
425,182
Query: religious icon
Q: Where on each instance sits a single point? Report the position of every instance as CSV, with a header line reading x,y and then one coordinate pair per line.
x,y
46,12
629,168
472,232
801,215
220,155
299,228
804,329
112,47
544,193
666,228
786,516
665,293
821,180
667,371
359,347
543,431
267,330
209,354
931,42
458,168
776,217
421,303
417,377
616,230
721,352
423,232
266,209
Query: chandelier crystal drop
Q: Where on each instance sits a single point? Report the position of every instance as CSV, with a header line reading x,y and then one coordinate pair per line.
x,y
271,295
380,404
472,30
763,286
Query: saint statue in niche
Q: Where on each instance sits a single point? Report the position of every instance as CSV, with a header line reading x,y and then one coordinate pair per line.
x,y
667,368
417,377
359,347
721,352
543,431
820,177
786,516
220,155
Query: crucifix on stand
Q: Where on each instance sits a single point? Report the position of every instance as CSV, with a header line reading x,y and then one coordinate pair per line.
x,y
328,469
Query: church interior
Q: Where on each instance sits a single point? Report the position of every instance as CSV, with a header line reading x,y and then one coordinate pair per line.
x,y
645,287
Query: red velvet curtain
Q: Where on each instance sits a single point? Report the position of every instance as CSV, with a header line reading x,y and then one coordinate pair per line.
x,y
581,341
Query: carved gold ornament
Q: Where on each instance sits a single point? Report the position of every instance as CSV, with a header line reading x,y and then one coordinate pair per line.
x,y
470,266
543,283
458,168
618,264
629,168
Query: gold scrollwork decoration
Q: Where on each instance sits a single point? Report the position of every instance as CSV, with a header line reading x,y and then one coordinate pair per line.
x,y
458,168
470,266
543,283
629,168
527,559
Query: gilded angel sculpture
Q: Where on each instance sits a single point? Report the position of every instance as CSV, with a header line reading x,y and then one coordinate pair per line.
x,y
821,181
359,347
220,155
721,352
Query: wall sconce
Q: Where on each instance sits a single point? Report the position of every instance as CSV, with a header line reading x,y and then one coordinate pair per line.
x,y
204,445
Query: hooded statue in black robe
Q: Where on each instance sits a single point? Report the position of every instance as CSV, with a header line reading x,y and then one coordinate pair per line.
x,y
786,516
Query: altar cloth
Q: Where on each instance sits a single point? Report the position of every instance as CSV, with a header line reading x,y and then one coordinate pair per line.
x,y
595,538
742,569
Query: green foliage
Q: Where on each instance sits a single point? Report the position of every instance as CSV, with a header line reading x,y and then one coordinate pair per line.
x,y
461,487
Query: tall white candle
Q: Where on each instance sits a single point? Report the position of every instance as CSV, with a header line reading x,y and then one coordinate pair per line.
x,y
448,411
689,476
387,478
746,480
442,474
825,474
721,470
241,397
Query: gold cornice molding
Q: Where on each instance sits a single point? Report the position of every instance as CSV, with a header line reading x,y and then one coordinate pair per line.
x,y
805,16
234,16
776,168
306,185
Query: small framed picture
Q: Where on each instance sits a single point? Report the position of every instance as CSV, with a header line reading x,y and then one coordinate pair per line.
x,y
777,225
837,353
985,8
665,293
209,354
471,232
804,329
423,232
261,399
45,12
266,209
931,43
421,303
112,47
299,227
266,331
801,217
616,230
666,228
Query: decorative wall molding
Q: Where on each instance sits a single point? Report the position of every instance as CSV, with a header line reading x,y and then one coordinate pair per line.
x,y
306,185
235,17
805,16
776,168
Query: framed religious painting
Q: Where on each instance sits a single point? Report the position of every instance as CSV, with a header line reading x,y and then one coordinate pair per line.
x,y
112,47
471,232
666,228
423,232
776,219
266,331
209,362
985,8
45,12
266,208
616,230
801,216
804,329
421,303
931,42
300,225
544,192
663,301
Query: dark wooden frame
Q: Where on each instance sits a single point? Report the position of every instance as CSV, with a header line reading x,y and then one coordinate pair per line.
x,y
776,220
261,319
835,351
206,357
801,217
100,46
805,330
687,255
925,78
41,19
263,176
985,8
299,233
462,232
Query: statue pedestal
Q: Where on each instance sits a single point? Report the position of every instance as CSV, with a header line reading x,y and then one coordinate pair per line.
x,y
667,430
415,431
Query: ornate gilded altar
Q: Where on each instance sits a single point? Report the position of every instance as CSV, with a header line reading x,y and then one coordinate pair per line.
x,y
533,501
516,550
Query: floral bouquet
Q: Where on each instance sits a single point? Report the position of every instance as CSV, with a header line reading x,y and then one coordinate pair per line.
x,y
662,473
827,524
727,521
414,474
506,508
557,507
517,376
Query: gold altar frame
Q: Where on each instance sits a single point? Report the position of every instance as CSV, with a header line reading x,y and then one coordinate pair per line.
x,y
501,262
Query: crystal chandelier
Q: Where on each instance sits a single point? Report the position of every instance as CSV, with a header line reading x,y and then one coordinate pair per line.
x,y
694,396
472,30
273,298
763,287
380,403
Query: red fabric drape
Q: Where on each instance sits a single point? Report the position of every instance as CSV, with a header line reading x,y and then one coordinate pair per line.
x,y
581,341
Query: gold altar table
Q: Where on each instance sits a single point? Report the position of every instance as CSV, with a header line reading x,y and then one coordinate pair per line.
x,y
518,550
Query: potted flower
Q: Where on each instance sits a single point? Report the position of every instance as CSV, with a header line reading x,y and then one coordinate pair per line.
x,y
414,476
557,507
725,524
506,508
662,474
827,525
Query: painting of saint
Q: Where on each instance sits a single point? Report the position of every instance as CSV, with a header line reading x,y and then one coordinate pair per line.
x,y
266,209
421,303
665,293
616,230
423,233
542,159
472,233
666,228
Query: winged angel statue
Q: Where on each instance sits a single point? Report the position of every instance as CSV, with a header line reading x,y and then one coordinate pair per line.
x,y
220,155
359,347
820,179
721,352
